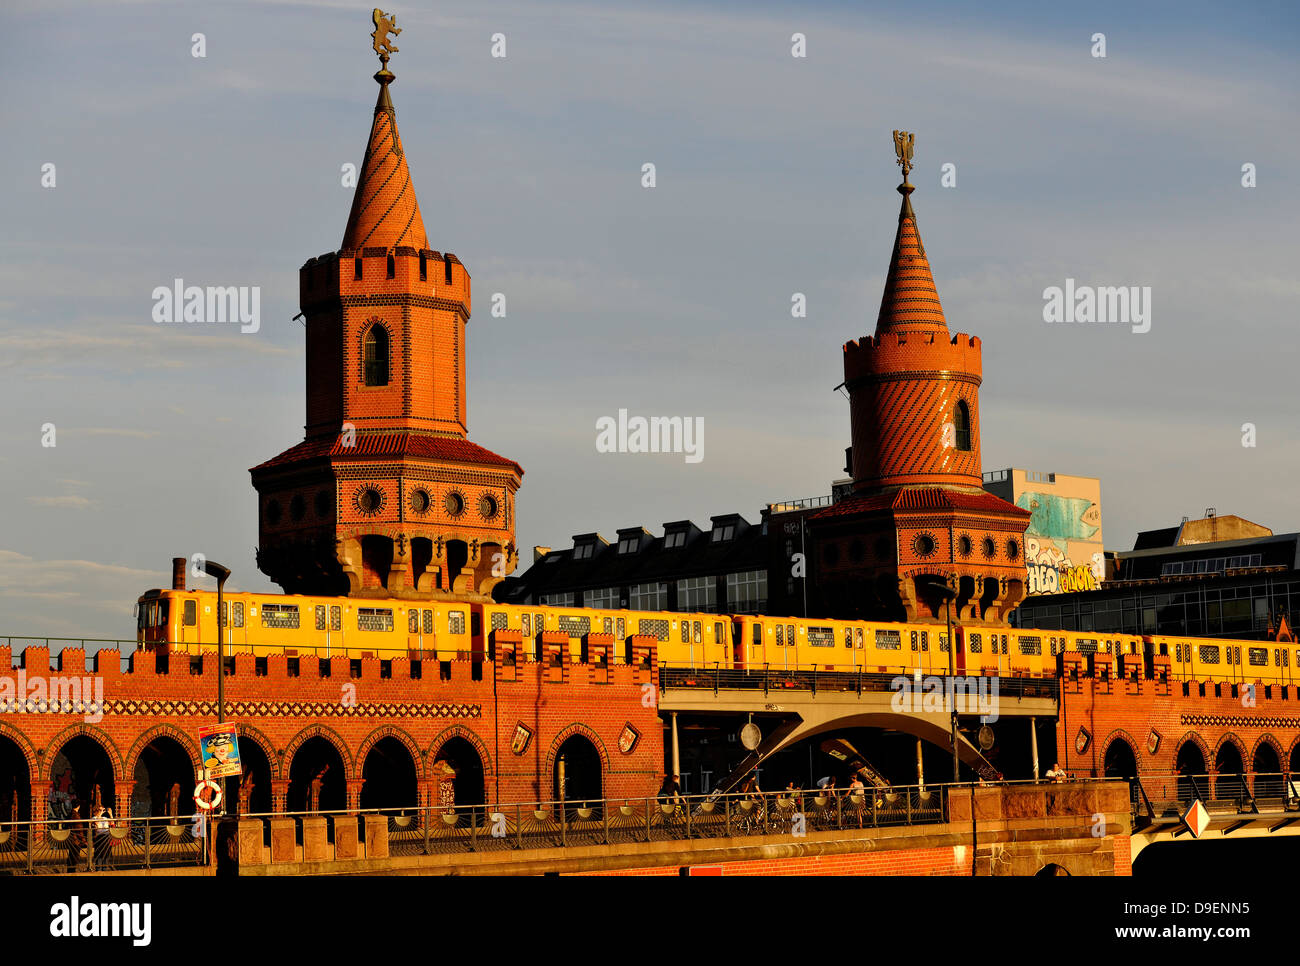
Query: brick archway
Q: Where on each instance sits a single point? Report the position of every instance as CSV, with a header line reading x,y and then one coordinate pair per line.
x,y
267,746
98,735
577,728
25,746
391,731
160,731
322,731
1267,739
1119,734
460,731
1228,738
1197,740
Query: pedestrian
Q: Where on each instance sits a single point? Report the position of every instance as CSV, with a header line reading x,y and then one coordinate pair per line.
x,y
103,838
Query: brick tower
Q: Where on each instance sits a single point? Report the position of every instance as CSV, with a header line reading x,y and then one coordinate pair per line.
x,y
386,497
918,515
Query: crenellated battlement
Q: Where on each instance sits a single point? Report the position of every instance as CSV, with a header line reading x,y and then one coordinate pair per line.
x,y
921,352
415,272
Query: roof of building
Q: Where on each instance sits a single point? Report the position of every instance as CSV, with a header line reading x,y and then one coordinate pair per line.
x,y
416,445
910,302
384,213
919,498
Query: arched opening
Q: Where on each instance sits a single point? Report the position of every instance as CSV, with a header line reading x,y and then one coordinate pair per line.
x,y
421,558
464,760
164,780
1268,772
376,560
15,783
253,787
316,780
80,773
1229,769
390,778
1052,869
1295,761
1190,765
375,356
961,424
1119,761
580,762
457,557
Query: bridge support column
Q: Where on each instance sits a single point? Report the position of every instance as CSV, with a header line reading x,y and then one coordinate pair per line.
x,y
1033,743
677,758
920,766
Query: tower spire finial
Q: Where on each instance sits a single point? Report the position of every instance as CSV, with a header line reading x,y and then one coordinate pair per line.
x,y
385,24
903,143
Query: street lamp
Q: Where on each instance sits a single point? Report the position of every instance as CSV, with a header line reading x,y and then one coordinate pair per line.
x,y
221,573
949,591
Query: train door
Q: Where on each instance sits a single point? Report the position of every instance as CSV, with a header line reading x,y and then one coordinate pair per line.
x,y
419,633
757,644
236,633
737,643
959,655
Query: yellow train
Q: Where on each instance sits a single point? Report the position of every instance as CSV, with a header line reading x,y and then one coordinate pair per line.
x,y
185,621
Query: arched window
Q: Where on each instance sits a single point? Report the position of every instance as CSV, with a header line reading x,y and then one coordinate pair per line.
x,y
961,423
375,356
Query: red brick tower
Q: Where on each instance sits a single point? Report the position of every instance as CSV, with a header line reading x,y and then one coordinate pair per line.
x,y
386,496
918,514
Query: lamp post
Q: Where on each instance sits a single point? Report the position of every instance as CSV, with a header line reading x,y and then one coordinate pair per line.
x,y
221,573
949,591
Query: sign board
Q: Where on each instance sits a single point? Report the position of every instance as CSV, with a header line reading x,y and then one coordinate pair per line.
x,y
219,750
1197,819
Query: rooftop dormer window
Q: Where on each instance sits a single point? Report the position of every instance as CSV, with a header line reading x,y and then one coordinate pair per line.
x,y
676,539
629,544
583,551
723,532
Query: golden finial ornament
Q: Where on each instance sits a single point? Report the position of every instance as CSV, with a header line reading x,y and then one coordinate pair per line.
x,y
903,144
385,24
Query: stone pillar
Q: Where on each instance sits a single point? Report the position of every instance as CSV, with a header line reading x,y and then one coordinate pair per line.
x,y
279,794
1033,743
250,842
376,836
677,758
345,837
354,793
315,839
284,845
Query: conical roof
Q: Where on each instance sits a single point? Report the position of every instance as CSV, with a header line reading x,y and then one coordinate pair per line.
x,y
910,302
384,212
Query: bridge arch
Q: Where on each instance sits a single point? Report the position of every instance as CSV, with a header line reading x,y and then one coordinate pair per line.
x,y
588,770
265,744
186,743
1119,755
162,758
17,771
460,731
86,753
313,753
317,731
1266,768
391,768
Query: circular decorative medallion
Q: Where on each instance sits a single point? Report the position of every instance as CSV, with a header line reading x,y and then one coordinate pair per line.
x,y
420,501
454,503
1013,549
487,506
989,547
924,545
368,501
964,545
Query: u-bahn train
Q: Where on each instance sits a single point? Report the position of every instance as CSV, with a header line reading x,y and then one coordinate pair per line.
x,y
300,625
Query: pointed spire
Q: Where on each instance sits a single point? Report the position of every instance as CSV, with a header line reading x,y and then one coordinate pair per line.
x,y
384,213
910,302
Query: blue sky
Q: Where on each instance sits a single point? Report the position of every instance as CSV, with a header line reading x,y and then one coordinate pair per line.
x,y
775,176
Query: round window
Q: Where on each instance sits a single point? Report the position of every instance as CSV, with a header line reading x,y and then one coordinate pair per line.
x,y
369,500
923,545
487,507
989,548
1013,549
454,503
420,501
964,545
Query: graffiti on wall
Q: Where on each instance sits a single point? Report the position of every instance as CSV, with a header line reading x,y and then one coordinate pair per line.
x,y
1061,556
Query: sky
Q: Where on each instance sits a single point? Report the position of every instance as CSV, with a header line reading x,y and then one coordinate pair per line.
x,y
775,175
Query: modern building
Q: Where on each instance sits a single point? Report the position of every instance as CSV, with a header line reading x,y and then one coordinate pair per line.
x,y
1215,577
1063,545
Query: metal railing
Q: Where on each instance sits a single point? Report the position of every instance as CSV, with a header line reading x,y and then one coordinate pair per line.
x,y
1157,796
94,845
813,679
806,503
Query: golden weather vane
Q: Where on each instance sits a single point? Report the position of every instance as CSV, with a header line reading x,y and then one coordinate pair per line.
x,y
385,24
903,142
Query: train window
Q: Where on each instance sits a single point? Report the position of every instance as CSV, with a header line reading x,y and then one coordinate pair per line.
x,y
1258,656
539,623
780,635
412,620
758,635
191,613
698,631
1004,643
925,640
943,643
848,637
914,640
686,632
1086,645
889,640
239,613
524,622
976,642
857,635
456,622
607,625
621,632
320,617
821,636
280,615
374,618
1030,644
1209,653
789,634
